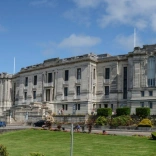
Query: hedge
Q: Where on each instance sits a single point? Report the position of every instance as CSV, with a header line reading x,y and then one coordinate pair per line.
x,y
104,112
3,151
153,135
145,123
123,111
143,112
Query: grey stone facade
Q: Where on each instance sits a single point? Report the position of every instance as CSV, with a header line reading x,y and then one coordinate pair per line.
x,y
82,83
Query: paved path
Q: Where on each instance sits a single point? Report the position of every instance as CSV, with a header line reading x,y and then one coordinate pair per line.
x,y
109,131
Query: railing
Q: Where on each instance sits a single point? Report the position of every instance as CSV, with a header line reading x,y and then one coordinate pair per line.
x,y
106,81
48,84
77,97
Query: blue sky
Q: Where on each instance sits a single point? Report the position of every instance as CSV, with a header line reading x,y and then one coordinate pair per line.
x,y
35,30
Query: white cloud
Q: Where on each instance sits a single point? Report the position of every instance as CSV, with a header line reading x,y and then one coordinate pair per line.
x,y
134,13
87,3
49,3
2,29
127,42
79,41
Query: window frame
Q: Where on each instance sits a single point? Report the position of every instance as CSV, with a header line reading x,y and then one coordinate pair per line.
x,y
78,73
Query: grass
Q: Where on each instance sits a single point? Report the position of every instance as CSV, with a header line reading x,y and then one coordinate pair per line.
x,y
50,143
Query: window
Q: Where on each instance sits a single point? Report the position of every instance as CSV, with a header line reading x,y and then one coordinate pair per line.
x,y
65,107
25,95
150,93
79,73
142,93
77,106
14,92
112,106
99,105
125,83
47,94
35,80
66,91
106,90
77,90
142,104
66,75
94,74
107,73
105,105
151,71
26,81
49,77
93,90
34,94
150,104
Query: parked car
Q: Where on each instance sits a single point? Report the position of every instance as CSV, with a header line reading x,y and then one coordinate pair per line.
x,y
2,124
39,123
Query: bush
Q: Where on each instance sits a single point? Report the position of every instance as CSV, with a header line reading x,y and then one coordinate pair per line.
x,y
104,112
153,135
101,120
120,121
3,151
143,112
123,111
145,123
36,154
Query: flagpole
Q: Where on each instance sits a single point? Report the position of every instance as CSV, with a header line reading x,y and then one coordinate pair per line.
x,y
14,65
134,37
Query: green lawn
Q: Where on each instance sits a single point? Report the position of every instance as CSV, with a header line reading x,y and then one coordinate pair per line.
x,y
50,143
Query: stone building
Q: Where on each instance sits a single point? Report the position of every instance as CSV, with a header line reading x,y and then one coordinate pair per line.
x,y
81,84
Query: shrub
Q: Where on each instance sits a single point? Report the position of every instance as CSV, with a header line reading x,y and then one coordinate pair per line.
x,y
153,135
143,112
3,151
145,123
120,121
123,111
104,112
36,154
101,120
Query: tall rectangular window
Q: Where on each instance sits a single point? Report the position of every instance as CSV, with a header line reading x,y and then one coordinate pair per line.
x,y
14,92
150,93
47,94
99,105
65,91
49,77
26,81
65,107
142,93
125,83
66,75
93,90
107,73
35,80
25,95
78,106
79,73
142,104
112,106
94,74
34,94
150,104
106,90
77,90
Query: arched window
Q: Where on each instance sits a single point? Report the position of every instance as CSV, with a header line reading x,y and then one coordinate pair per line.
x,y
151,71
